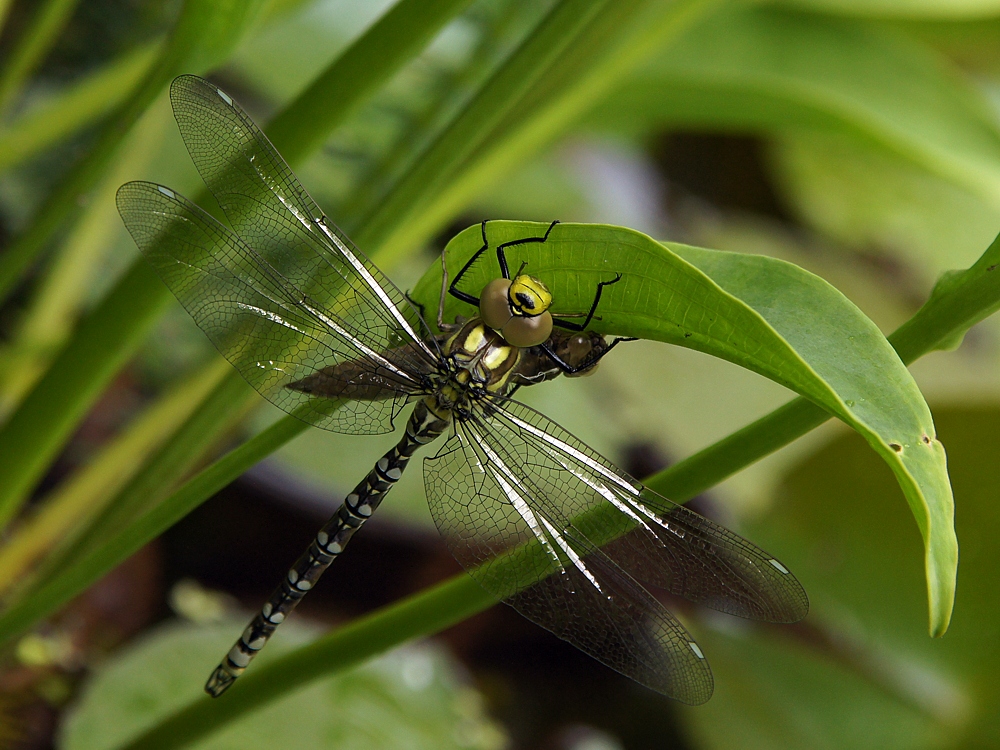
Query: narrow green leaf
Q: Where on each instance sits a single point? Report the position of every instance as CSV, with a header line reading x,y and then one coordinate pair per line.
x,y
769,69
30,49
65,286
76,107
202,37
764,314
85,571
952,10
46,418
62,514
617,40
214,414
302,127
431,172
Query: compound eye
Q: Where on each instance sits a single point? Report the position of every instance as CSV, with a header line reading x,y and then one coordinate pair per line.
x,y
494,303
524,332
528,296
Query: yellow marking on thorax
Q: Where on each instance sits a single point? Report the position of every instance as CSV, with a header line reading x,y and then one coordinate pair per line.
x,y
475,339
496,356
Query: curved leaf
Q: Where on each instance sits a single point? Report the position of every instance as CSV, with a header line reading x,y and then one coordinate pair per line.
x,y
760,313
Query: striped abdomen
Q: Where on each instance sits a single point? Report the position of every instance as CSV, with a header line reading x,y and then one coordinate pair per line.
x,y
422,427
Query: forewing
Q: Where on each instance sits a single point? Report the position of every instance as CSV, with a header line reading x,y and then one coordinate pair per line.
x,y
488,512
271,211
268,328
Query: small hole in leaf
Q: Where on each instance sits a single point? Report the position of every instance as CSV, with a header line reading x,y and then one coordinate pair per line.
x,y
926,439
896,447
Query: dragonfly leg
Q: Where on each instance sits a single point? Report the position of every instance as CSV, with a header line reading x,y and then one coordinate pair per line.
x,y
501,249
453,289
591,361
442,326
501,257
593,307
422,427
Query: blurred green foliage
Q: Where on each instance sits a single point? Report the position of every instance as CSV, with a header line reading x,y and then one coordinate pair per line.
x,y
408,699
877,127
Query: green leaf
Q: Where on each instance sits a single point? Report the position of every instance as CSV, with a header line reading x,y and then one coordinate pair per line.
x,y
760,313
31,46
409,699
204,34
73,108
82,572
864,197
62,515
46,417
562,26
905,9
620,38
774,70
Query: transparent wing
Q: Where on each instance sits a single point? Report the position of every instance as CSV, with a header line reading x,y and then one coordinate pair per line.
x,y
277,336
556,578
666,544
547,524
271,211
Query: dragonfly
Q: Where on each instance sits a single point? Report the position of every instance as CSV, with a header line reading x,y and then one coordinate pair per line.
x,y
539,519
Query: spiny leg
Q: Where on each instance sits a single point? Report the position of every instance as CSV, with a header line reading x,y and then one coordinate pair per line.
x,y
589,362
593,307
422,427
442,326
501,257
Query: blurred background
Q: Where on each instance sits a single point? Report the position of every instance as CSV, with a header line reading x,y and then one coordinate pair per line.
x,y
859,139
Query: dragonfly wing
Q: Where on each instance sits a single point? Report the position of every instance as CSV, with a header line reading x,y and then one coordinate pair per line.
x,y
275,334
661,543
489,513
271,211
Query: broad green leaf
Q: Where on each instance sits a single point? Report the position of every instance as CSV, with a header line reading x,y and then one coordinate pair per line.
x,y
867,198
774,70
409,699
763,314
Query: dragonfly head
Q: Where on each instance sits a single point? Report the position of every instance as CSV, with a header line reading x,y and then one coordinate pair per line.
x,y
518,308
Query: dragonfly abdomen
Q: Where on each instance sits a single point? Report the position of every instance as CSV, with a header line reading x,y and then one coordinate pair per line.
x,y
422,427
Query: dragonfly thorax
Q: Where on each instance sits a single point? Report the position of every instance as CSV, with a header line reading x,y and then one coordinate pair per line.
x,y
477,360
